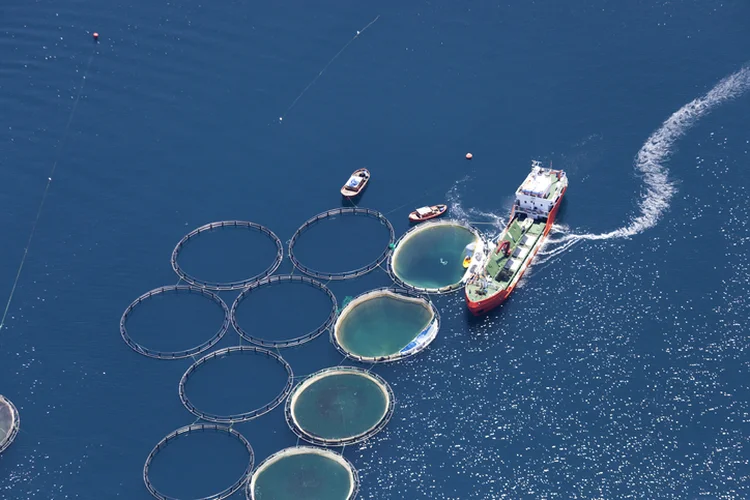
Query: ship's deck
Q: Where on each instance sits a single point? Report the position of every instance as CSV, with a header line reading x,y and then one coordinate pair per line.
x,y
554,188
522,235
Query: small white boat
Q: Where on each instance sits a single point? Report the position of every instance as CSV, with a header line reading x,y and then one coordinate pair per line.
x,y
427,213
356,183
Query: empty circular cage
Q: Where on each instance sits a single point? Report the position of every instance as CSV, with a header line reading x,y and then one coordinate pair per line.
x,y
185,432
177,289
226,285
280,280
246,415
343,275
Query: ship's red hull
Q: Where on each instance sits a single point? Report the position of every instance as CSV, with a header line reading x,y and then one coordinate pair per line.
x,y
481,307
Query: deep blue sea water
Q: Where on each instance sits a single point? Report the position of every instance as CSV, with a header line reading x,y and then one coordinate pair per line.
x,y
618,369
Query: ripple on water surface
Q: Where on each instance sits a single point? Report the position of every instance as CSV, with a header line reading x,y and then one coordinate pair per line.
x,y
431,256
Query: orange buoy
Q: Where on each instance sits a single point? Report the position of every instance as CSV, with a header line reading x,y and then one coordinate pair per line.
x,y
96,36
469,156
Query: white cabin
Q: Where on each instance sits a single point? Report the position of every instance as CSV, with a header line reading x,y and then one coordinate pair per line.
x,y
538,193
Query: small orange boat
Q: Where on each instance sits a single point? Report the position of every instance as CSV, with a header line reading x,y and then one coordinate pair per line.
x,y
427,213
356,183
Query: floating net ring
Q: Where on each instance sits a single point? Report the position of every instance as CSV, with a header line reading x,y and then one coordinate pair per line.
x,y
152,353
227,285
355,273
10,422
328,426
420,229
279,279
417,344
185,431
300,472
237,417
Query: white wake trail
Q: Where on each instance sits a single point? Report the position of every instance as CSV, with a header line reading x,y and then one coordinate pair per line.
x,y
489,220
650,160
649,163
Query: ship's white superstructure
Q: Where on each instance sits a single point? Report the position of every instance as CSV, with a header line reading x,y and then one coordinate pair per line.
x,y
535,196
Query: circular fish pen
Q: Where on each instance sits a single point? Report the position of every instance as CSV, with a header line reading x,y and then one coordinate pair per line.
x,y
242,416
339,406
277,280
342,275
183,433
10,423
430,257
177,289
226,285
304,472
385,325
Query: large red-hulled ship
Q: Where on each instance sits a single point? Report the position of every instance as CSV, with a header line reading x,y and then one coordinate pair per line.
x,y
496,270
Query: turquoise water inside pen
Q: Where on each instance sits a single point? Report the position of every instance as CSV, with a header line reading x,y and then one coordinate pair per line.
x,y
382,325
432,258
309,476
340,406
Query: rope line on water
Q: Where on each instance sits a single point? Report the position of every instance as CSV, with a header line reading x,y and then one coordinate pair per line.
x,y
411,202
60,149
474,223
320,73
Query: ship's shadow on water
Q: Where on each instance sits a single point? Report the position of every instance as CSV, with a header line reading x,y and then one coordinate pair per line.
x,y
562,211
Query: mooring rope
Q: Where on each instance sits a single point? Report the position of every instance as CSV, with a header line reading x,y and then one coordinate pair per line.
x,y
320,73
60,149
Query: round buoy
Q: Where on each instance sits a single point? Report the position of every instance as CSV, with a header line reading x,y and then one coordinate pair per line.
x,y
469,156
96,36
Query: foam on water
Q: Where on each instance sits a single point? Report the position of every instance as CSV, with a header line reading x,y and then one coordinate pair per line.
x,y
650,163
492,223
650,160
609,379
